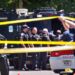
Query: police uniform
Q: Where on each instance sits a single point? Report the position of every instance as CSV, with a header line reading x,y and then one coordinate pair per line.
x,y
66,36
35,56
22,57
43,55
4,68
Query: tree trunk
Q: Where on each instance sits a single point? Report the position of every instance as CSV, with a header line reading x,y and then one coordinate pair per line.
x,y
20,3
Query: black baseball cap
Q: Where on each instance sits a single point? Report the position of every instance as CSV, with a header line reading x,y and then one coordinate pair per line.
x,y
25,26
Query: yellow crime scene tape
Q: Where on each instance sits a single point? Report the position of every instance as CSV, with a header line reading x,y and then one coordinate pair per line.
x,y
39,42
36,49
2,51
69,18
68,46
32,20
27,20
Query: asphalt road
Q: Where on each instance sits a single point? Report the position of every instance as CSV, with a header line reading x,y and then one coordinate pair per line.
x,y
32,73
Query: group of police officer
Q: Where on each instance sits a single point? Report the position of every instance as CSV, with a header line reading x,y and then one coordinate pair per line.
x,y
38,59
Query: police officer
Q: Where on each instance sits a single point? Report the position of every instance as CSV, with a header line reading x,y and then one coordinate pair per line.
x,y
4,68
23,37
43,55
35,56
58,35
67,36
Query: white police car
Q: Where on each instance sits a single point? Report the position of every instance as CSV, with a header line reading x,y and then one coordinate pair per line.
x,y
59,60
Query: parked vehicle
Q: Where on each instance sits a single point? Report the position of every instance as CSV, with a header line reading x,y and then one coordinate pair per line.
x,y
60,60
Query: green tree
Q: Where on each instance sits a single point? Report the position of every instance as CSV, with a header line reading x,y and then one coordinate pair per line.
x,y
67,5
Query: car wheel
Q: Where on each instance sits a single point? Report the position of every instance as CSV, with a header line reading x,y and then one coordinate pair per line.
x,y
56,71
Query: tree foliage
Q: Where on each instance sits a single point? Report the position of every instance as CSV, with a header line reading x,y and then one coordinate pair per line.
x,y
67,5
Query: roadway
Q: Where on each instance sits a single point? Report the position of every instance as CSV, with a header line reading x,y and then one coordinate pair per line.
x,y
32,73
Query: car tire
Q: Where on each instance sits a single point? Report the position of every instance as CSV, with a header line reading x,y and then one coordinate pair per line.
x,y
56,71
